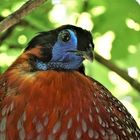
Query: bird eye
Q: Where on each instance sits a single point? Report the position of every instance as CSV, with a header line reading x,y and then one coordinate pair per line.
x,y
65,35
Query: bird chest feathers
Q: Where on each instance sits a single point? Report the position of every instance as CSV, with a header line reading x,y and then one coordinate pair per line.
x,y
45,95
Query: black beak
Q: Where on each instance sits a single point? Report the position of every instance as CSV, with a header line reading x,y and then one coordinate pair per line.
x,y
88,54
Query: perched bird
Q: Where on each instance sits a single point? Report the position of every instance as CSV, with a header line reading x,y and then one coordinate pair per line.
x,y
45,95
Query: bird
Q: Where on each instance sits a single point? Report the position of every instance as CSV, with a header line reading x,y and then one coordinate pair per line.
x,y
46,95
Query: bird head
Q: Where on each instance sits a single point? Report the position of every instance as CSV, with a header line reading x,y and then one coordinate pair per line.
x,y
64,48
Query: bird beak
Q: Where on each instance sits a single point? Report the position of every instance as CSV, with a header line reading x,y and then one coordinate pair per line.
x,y
88,55
85,54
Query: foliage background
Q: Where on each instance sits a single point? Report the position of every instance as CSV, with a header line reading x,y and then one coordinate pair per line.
x,y
116,29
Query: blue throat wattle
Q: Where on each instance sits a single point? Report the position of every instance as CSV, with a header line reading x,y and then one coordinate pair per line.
x,y
57,65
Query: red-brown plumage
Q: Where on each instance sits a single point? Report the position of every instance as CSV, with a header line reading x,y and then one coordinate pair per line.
x,y
59,105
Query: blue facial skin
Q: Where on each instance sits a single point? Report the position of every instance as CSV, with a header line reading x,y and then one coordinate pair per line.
x,y
62,58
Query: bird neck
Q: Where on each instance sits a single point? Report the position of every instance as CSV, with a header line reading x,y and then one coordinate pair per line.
x,y
25,66
40,65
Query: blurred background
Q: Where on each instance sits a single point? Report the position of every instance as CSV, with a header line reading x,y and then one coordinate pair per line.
x,y
115,26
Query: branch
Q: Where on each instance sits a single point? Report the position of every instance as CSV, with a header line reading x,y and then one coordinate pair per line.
x,y
135,84
19,14
9,31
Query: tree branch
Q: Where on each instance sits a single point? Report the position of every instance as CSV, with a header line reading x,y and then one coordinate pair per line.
x,y
19,14
135,84
9,31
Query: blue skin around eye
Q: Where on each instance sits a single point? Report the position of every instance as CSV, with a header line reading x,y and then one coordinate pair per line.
x,y
60,48
61,57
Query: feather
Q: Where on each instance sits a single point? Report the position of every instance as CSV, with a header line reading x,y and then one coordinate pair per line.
x,y
59,104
